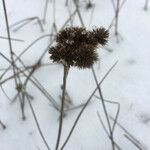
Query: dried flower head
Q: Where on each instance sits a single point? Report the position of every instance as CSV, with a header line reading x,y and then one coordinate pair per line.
x,y
101,34
69,36
76,47
82,58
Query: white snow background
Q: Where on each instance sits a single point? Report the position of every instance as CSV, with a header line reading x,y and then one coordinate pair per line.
x,y
128,83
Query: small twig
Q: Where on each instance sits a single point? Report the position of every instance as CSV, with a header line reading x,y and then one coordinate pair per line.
x,y
91,17
78,12
117,9
104,108
126,131
5,93
117,146
118,110
12,39
45,11
16,78
36,121
120,7
69,12
146,4
26,21
74,108
117,18
2,124
133,142
54,11
66,4
114,6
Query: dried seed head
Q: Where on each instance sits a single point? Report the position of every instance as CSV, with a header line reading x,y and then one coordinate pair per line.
x,y
73,36
55,53
76,47
101,34
84,57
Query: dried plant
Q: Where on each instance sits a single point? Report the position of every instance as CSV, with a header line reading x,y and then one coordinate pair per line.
x,y
75,46
101,34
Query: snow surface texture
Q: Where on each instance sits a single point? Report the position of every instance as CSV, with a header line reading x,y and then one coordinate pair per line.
x,y
128,83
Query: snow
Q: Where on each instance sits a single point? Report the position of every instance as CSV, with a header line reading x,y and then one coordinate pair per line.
x,y
127,84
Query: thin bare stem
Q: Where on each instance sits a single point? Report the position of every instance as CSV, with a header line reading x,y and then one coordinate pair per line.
x,y
117,18
12,58
2,124
146,4
9,39
26,21
78,12
133,142
74,108
117,146
120,7
36,121
127,132
104,108
117,113
113,3
12,39
66,69
45,11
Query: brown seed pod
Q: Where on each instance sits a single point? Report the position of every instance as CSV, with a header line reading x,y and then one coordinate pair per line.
x,y
101,34
76,46
84,57
72,35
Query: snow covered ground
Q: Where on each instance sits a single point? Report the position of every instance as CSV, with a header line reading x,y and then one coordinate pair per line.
x,y
128,83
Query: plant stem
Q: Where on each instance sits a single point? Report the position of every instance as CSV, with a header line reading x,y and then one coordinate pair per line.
x,y
66,69
146,4
2,124
37,123
12,58
117,18
104,108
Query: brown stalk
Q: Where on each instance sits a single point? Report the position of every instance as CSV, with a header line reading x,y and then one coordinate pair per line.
x,y
66,70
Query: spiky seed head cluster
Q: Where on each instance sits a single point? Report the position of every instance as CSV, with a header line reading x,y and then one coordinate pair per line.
x,y
77,47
